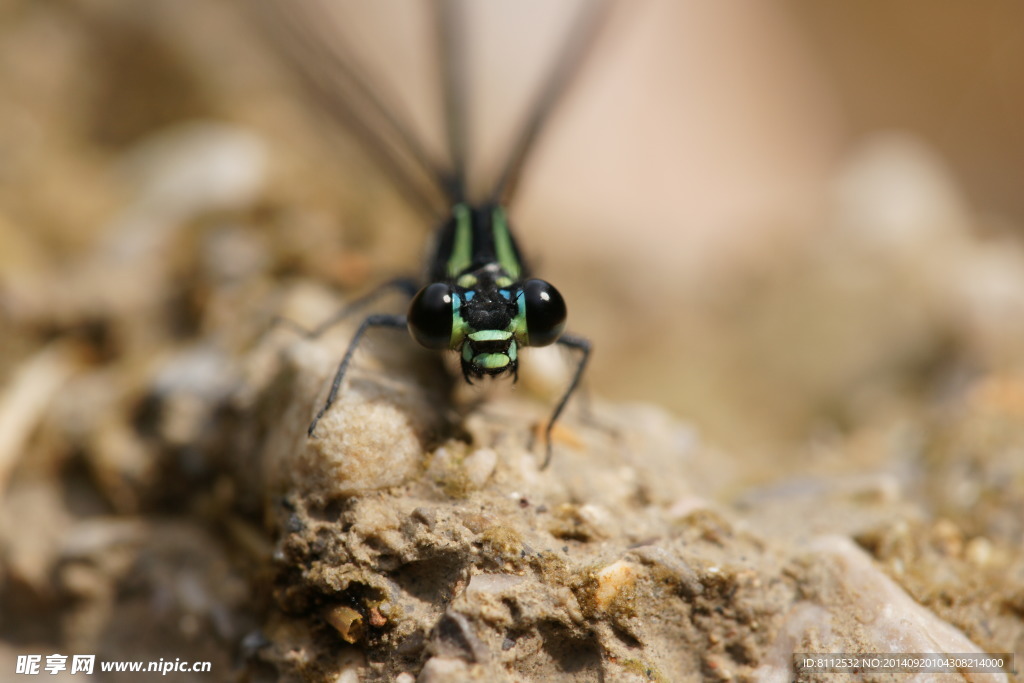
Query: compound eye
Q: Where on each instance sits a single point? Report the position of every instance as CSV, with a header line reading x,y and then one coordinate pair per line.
x,y
430,316
545,312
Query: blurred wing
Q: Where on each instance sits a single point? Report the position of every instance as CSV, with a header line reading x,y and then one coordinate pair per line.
x,y
307,35
451,35
577,44
311,36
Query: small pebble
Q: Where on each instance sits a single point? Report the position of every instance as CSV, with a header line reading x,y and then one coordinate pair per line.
x,y
479,466
979,551
611,581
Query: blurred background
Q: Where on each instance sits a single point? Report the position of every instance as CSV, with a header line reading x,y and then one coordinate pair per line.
x,y
787,223
773,220
769,219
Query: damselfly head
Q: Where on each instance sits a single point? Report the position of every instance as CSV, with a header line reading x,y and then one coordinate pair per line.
x,y
488,323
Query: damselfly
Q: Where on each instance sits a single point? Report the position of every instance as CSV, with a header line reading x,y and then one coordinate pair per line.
x,y
480,299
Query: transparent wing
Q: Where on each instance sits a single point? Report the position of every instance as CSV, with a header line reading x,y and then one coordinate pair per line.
x,y
458,120
575,46
316,38
451,33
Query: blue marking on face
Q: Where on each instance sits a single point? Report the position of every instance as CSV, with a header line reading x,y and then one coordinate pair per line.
x,y
519,322
468,296
506,294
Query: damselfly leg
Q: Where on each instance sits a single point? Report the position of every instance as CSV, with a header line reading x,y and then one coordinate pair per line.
x,y
404,285
583,347
380,320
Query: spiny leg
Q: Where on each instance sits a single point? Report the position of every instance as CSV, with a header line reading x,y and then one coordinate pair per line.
x,y
404,285
583,346
378,320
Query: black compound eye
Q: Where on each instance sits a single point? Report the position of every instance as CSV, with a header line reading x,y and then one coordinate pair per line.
x,y
545,312
430,316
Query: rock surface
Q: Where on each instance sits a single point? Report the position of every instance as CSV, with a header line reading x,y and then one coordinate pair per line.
x,y
453,557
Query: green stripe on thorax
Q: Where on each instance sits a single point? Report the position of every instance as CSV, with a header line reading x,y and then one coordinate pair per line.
x,y
462,245
461,258
506,253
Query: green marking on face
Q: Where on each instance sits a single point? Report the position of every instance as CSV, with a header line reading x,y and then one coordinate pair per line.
x,y
468,281
490,335
518,325
503,244
462,246
491,361
460,328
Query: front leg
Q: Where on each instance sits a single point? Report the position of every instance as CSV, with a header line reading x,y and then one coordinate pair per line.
x,y
583,346
405,285
378,320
